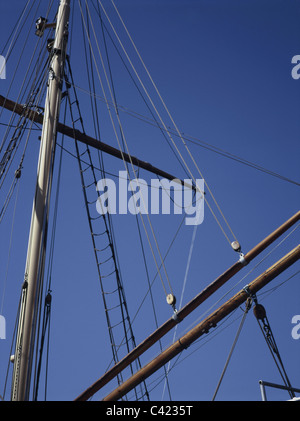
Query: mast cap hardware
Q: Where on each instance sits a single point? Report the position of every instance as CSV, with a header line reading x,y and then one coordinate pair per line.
x,y
236,246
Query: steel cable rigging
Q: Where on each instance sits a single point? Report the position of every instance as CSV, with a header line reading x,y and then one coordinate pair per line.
x,y
247,308
189,138
164,125
45,307
263,322
136,216
31,83
115,105
85,170
35,80
218,330
109,248
122,154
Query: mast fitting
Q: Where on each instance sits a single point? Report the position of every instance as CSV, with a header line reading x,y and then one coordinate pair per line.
x,y
171,300
242,259
237,247
251,296
41,24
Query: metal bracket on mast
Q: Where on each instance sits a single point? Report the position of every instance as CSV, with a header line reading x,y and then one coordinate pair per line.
x,y
41,24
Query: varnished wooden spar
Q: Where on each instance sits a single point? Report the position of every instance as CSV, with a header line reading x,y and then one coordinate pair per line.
x,y
187,309
204,326
88,140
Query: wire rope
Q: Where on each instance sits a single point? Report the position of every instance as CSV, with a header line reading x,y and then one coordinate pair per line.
x,y
15,27
117,138
245,276
248,306
123,137
203,340
110,230
192,139
23,50
45,322
182,293
175,146
136,216
9,249
171,118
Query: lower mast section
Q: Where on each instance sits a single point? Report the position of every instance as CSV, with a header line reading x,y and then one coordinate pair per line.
x,y
38,229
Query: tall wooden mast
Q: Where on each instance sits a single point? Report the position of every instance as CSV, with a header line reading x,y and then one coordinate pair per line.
x,y
37,237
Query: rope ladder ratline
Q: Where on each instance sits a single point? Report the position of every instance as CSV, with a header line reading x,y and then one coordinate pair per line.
x,y
192,305
122,300
116,107
119,298
207,324
122,154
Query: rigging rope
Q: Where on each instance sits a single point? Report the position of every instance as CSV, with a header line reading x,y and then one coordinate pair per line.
x,y
176,128
36,78
263,322
192,139
32,100
248,306
47,302
182,293
118,141
244,277
213,333
9,248
136,216
122,304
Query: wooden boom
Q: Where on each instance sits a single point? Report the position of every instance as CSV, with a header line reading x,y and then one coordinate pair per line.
x,y
204,326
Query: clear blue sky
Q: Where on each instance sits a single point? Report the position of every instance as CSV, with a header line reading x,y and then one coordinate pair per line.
x,y
224,71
